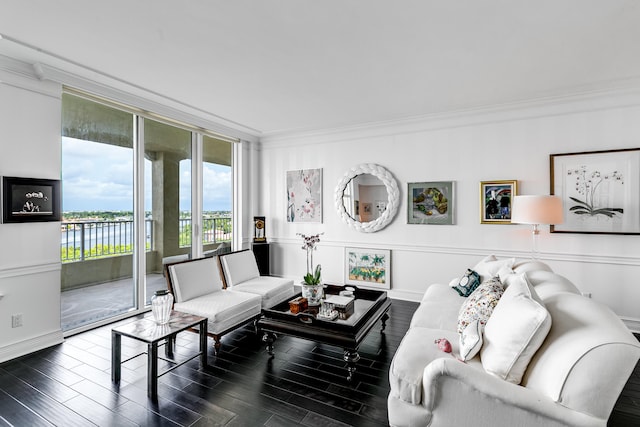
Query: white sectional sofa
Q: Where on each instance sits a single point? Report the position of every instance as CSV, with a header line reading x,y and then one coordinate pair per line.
x,y
568,372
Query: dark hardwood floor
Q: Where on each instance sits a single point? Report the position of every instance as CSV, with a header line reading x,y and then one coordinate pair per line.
x,y
304,384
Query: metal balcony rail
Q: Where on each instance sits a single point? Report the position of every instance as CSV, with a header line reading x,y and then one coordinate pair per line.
x,y
214,230
83,240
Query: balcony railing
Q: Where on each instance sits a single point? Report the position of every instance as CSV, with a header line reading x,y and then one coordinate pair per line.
x,y
83,240
214,230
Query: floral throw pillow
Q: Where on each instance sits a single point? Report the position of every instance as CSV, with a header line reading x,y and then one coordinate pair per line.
x,y
480,304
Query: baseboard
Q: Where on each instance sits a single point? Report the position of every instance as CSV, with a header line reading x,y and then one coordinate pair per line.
x,y
405,295
30,345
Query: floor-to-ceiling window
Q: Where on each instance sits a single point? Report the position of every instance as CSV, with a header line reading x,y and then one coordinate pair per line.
x,y
167,200
217,190
100,246
97,202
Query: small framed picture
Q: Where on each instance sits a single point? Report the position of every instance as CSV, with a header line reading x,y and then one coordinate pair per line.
x,y
30,200
430,202
368,268
495,201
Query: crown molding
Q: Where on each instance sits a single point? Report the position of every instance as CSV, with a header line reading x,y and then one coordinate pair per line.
x,y
18,74
36,65
615,94
127,94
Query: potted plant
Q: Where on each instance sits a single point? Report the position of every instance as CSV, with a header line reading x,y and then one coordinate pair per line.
x,y
312,281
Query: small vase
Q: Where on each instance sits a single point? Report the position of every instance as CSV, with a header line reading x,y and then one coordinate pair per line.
x,y
313,293
161,304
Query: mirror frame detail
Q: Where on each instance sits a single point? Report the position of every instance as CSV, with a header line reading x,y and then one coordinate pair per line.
x,y
393,197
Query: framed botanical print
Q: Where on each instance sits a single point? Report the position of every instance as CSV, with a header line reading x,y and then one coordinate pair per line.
x,y
304,195
600,191
495,201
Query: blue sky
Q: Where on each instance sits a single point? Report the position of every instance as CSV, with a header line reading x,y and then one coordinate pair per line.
x,y
100,177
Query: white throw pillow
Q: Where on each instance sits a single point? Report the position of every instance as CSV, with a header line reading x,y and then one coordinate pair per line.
x,y
505,274
471,340
490,266
515,331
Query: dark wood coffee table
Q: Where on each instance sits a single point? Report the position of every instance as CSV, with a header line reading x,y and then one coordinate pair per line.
x,y
369,307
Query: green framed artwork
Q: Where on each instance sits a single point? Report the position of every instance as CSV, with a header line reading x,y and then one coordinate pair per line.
x,y
431,202
368,268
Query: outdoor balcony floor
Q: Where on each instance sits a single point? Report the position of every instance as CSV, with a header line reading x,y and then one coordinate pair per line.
x,y
82,306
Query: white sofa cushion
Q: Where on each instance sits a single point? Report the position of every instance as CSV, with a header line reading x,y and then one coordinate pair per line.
x,y
415,352
195,278
438,309
223,310
271,289
514,332
489,266
239,267
584,361
480,304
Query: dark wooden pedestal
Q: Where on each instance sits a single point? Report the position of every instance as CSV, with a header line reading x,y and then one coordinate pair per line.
x,y
261,252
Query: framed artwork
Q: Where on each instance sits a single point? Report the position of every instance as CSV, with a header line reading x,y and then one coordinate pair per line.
x,y
30,200
600,191
430,202
368,268
304,195
495,201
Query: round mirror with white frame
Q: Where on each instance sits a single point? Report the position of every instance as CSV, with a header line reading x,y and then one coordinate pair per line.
x,y
367,197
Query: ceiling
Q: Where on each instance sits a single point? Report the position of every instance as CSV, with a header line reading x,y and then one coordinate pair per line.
x,y
279,66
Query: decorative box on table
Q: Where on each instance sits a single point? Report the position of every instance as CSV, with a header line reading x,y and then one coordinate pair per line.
x,y
298,305
343,305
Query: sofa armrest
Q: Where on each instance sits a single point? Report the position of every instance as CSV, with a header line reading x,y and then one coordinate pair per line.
x,y
456,393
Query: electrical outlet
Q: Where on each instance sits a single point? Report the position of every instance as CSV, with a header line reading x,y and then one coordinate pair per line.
x,y
586,294
16,320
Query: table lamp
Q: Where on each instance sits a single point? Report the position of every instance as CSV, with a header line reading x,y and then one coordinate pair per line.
x,y
536,210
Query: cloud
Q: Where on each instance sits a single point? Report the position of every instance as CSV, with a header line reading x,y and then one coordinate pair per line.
x,y
98,176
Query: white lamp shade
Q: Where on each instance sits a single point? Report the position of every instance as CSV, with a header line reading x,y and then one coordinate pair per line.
x,y
536,210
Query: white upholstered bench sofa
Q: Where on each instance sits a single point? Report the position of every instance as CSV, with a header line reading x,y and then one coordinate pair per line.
x,y
239,272
229,293
197,289
547,356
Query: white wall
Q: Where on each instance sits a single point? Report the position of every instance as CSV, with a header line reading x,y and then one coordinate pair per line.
x,y
29,253
493,144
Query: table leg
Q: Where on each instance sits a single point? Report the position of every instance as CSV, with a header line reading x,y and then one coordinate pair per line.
x,y
269,338
203,344
116,356
384,319
152,370
351,357
168,346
